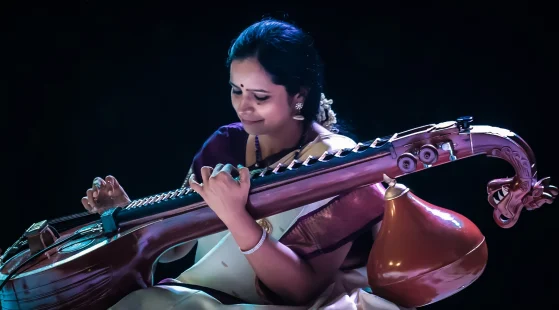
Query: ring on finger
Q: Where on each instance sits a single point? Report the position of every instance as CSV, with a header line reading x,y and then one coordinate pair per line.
x,y
96,183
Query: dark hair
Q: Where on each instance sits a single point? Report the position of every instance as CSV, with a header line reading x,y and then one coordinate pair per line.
x,y
288,55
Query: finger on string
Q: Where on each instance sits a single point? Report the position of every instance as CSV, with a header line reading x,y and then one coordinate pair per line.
x,y
97,186
105,187
111,183
86,205
97,182
197,187
217,169
228,169
244,176
90,199
205,172
111,179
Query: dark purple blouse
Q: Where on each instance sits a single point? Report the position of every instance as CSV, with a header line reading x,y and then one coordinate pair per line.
x,y
227,145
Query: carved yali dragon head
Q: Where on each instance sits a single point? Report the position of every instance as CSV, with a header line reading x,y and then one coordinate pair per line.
x,y
510,195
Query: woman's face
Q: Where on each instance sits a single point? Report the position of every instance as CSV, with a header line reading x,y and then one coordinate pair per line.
x,y
262,106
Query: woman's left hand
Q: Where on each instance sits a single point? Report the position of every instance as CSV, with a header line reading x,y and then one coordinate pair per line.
x,y
225,195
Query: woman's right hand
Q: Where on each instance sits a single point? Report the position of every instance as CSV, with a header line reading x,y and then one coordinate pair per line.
x,y
105,194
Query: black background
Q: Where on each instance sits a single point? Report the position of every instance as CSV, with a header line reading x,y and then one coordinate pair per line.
x,y
133,89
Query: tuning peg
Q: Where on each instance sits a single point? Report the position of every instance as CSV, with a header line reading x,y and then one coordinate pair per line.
x,y
464,122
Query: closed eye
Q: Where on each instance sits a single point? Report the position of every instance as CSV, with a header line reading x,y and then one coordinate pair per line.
x,y
261,98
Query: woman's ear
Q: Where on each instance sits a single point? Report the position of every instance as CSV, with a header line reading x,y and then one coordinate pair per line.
x,y
301,95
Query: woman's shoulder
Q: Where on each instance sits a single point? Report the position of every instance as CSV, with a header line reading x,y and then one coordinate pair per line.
x,y
333,141
327,141
225,143
226,134
229,131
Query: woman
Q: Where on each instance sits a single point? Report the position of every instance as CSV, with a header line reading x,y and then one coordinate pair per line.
x,y
288,260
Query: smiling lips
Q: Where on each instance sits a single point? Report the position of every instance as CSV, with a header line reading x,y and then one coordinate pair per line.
x,y
249,122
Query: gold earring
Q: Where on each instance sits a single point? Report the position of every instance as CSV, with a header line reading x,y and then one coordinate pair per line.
x,y
298,107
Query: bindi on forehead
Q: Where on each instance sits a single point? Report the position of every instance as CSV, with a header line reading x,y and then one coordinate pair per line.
x,y
242,86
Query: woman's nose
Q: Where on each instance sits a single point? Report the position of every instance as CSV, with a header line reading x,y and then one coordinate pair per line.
x,y
245,105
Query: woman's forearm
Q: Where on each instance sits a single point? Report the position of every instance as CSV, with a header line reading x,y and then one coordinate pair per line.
x,y
277,266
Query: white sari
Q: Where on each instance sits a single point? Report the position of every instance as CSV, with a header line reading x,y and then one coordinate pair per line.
x,y
221,266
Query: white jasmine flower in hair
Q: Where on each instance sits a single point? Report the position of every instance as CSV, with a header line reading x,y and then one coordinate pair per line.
x,y
326,103
326,116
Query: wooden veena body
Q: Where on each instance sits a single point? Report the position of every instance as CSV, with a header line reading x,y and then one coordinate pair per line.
x,y
423,253
95,261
